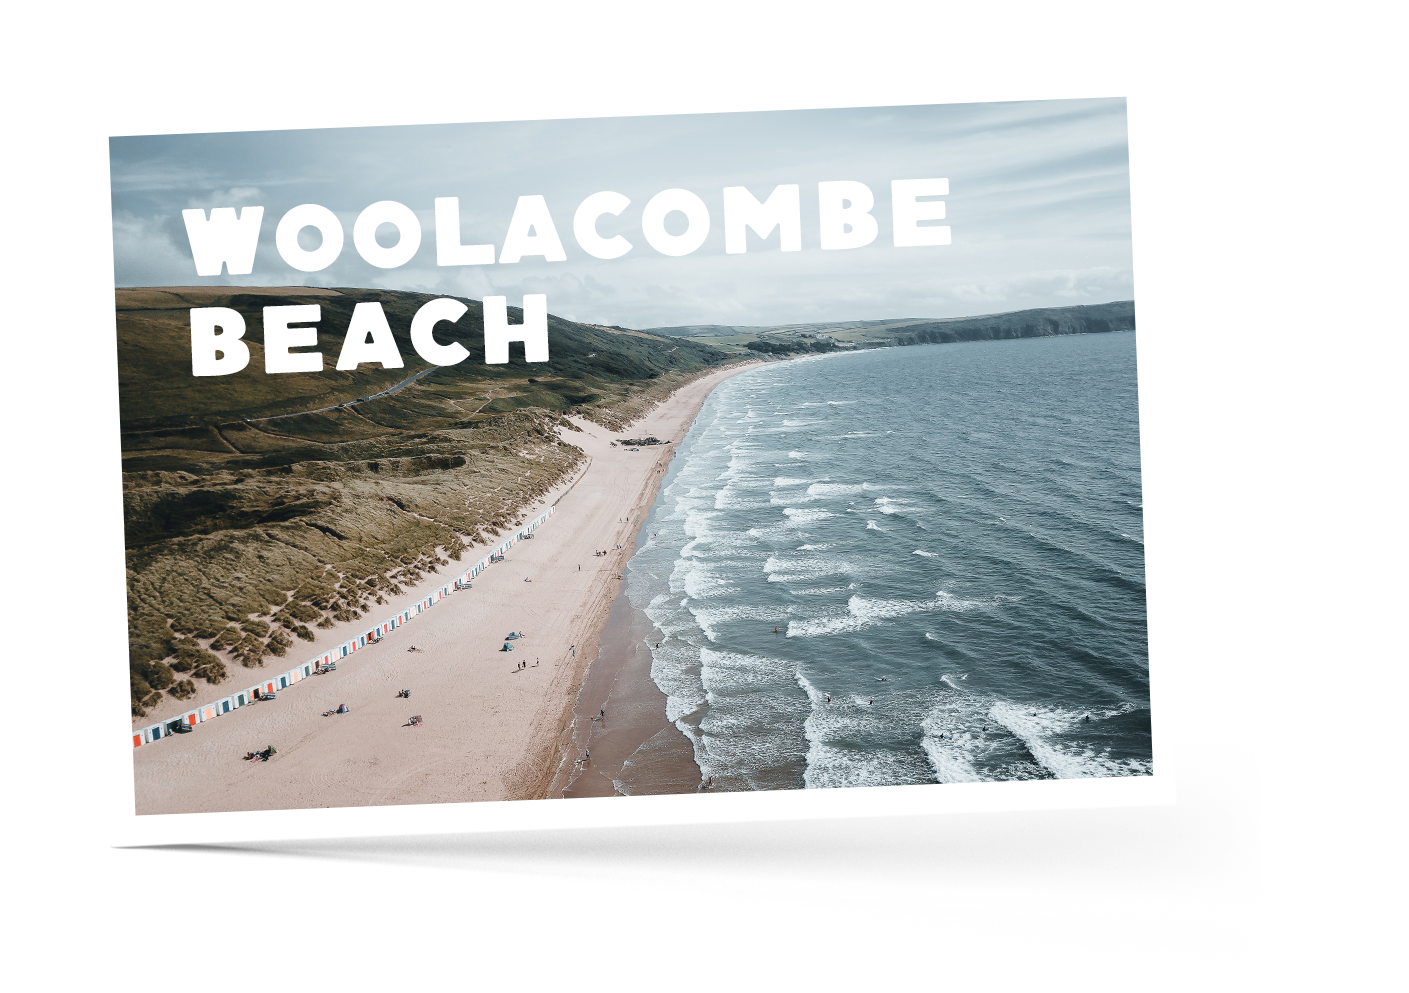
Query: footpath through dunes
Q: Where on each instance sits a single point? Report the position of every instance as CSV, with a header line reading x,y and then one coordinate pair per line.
x,y
490,731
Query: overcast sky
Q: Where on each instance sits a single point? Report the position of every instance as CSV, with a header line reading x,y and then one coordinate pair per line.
x,y
1039,208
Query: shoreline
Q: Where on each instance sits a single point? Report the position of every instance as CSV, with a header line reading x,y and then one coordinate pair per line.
x,y
621,712
490,729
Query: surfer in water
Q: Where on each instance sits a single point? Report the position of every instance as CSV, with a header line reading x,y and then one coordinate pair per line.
x,y
829,698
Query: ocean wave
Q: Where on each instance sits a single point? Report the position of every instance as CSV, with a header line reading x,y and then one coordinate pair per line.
x,y
801,570
836,489
730,498
708,619
791,481
928,555
862,612
1037,729
822,626
797,455
830,767
873,526
798,516
893,505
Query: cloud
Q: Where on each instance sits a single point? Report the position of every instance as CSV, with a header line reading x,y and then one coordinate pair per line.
x,y
1038,205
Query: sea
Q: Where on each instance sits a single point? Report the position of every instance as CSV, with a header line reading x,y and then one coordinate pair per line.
x,y
906,565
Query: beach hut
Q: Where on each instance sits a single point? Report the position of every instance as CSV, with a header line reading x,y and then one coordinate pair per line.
x,y
225,706
208,712
307,669
136,739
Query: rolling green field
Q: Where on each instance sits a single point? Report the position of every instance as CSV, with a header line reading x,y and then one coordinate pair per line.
x,y
260,506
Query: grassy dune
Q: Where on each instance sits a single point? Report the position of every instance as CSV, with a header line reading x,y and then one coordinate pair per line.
x,y
246,528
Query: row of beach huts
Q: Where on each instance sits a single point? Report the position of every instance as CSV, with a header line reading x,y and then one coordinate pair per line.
x,y
328,660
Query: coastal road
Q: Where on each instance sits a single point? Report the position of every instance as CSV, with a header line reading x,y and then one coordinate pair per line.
x,y
350,403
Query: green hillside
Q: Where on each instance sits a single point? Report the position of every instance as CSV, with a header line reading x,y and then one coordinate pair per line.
x,y
258,506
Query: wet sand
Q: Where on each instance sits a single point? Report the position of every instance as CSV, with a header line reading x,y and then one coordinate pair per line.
x,y
634,749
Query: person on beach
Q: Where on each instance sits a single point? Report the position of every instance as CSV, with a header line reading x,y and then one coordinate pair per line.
x,y
604,713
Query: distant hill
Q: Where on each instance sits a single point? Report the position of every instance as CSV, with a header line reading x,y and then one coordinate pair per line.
x,y
1043,322
1038,322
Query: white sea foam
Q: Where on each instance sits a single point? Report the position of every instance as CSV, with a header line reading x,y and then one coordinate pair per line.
x,y
822,626
815,548
1037,728
862,612
928,555
790,481
873,526
836,489
708,619
782,569
799,516
892,505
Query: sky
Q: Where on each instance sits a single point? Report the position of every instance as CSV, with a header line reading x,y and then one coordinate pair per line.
x,y
1038,207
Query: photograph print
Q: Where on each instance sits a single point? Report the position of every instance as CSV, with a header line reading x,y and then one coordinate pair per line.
x,y
613,457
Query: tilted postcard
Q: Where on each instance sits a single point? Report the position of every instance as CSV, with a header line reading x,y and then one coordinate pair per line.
x,y
691,455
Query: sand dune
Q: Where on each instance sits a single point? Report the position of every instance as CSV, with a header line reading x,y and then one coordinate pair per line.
x,y
490,732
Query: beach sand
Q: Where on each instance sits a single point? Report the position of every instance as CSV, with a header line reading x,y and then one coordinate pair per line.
x,y
490,731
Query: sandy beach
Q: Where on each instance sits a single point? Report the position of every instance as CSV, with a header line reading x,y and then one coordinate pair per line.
x,y
490,731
